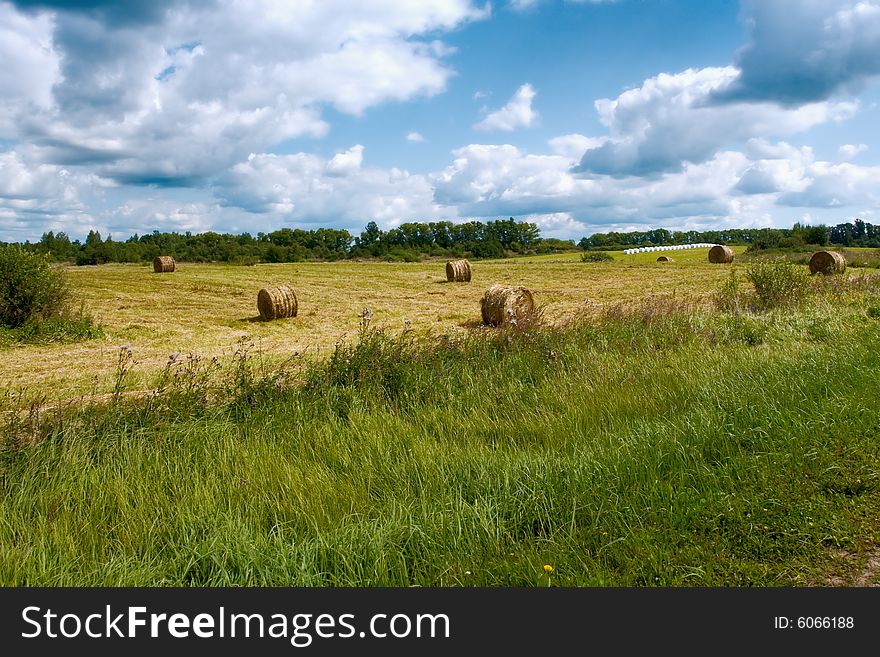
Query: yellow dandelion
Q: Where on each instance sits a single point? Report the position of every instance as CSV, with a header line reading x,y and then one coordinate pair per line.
x,y
548,568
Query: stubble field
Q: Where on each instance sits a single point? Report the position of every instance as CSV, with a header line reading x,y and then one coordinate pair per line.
x,y
205,309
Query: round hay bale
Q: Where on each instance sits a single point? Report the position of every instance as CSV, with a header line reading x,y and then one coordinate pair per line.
x,y
503,304
163,264
458,271
276,302
665,259
720,254
827,262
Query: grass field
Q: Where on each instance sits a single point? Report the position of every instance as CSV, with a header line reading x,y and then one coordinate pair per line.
x,y
206,309
654,443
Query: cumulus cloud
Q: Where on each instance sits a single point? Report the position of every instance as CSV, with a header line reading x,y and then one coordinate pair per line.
x,y
517,113
305,188
156,213
523,5
187,89
849,151
733,188
33,193
559,224
802,51
186,100
347,162
836,185
668,121
573,146
498,180
30,66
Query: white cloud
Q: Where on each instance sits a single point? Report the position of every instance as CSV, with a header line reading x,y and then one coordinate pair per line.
x,y
522,5
39,194
415,136
517,113
837,185
803,51
347,162
195,89
573,146
499,180
730,189
162,214
30,66
849,151
303,188
559,224
669,121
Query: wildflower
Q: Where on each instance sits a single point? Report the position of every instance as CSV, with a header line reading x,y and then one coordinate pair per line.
x,y
548,569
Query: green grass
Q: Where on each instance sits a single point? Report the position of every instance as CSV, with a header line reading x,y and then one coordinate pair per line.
x,y
54,330
652,445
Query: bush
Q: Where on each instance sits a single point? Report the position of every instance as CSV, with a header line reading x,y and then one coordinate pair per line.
x,y
596,256
779,284
30,289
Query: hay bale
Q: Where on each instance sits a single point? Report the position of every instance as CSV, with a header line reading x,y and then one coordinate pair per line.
x,y
665,259
163,264
827,262
503,304
720,254
458,271
276,302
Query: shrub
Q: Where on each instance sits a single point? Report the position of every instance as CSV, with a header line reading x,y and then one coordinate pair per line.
x,y
31,290
779,284
596,256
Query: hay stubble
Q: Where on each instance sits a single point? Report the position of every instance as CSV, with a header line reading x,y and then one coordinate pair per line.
x,y
205,308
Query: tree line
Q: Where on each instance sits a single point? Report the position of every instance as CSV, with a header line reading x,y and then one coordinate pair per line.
x,y
858,233
412,241
407,242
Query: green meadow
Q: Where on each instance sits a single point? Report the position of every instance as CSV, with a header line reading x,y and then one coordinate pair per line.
x,y
641,434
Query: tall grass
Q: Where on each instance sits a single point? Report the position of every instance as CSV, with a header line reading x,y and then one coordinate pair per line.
x,y
648,445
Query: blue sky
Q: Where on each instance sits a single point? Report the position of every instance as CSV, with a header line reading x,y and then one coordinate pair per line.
x,y
582,116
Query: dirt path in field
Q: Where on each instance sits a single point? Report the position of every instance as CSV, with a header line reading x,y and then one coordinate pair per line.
x,y
854,569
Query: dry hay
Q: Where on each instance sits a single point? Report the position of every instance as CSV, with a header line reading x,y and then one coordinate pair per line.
x,y
665,259
720,254
506,304
163,264
458,271
276,302
827,262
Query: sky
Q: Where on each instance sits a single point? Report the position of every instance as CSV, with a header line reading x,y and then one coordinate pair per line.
x,y
582,116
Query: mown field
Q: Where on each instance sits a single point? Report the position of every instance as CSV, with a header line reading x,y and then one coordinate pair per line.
x,y
642,437
204,309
